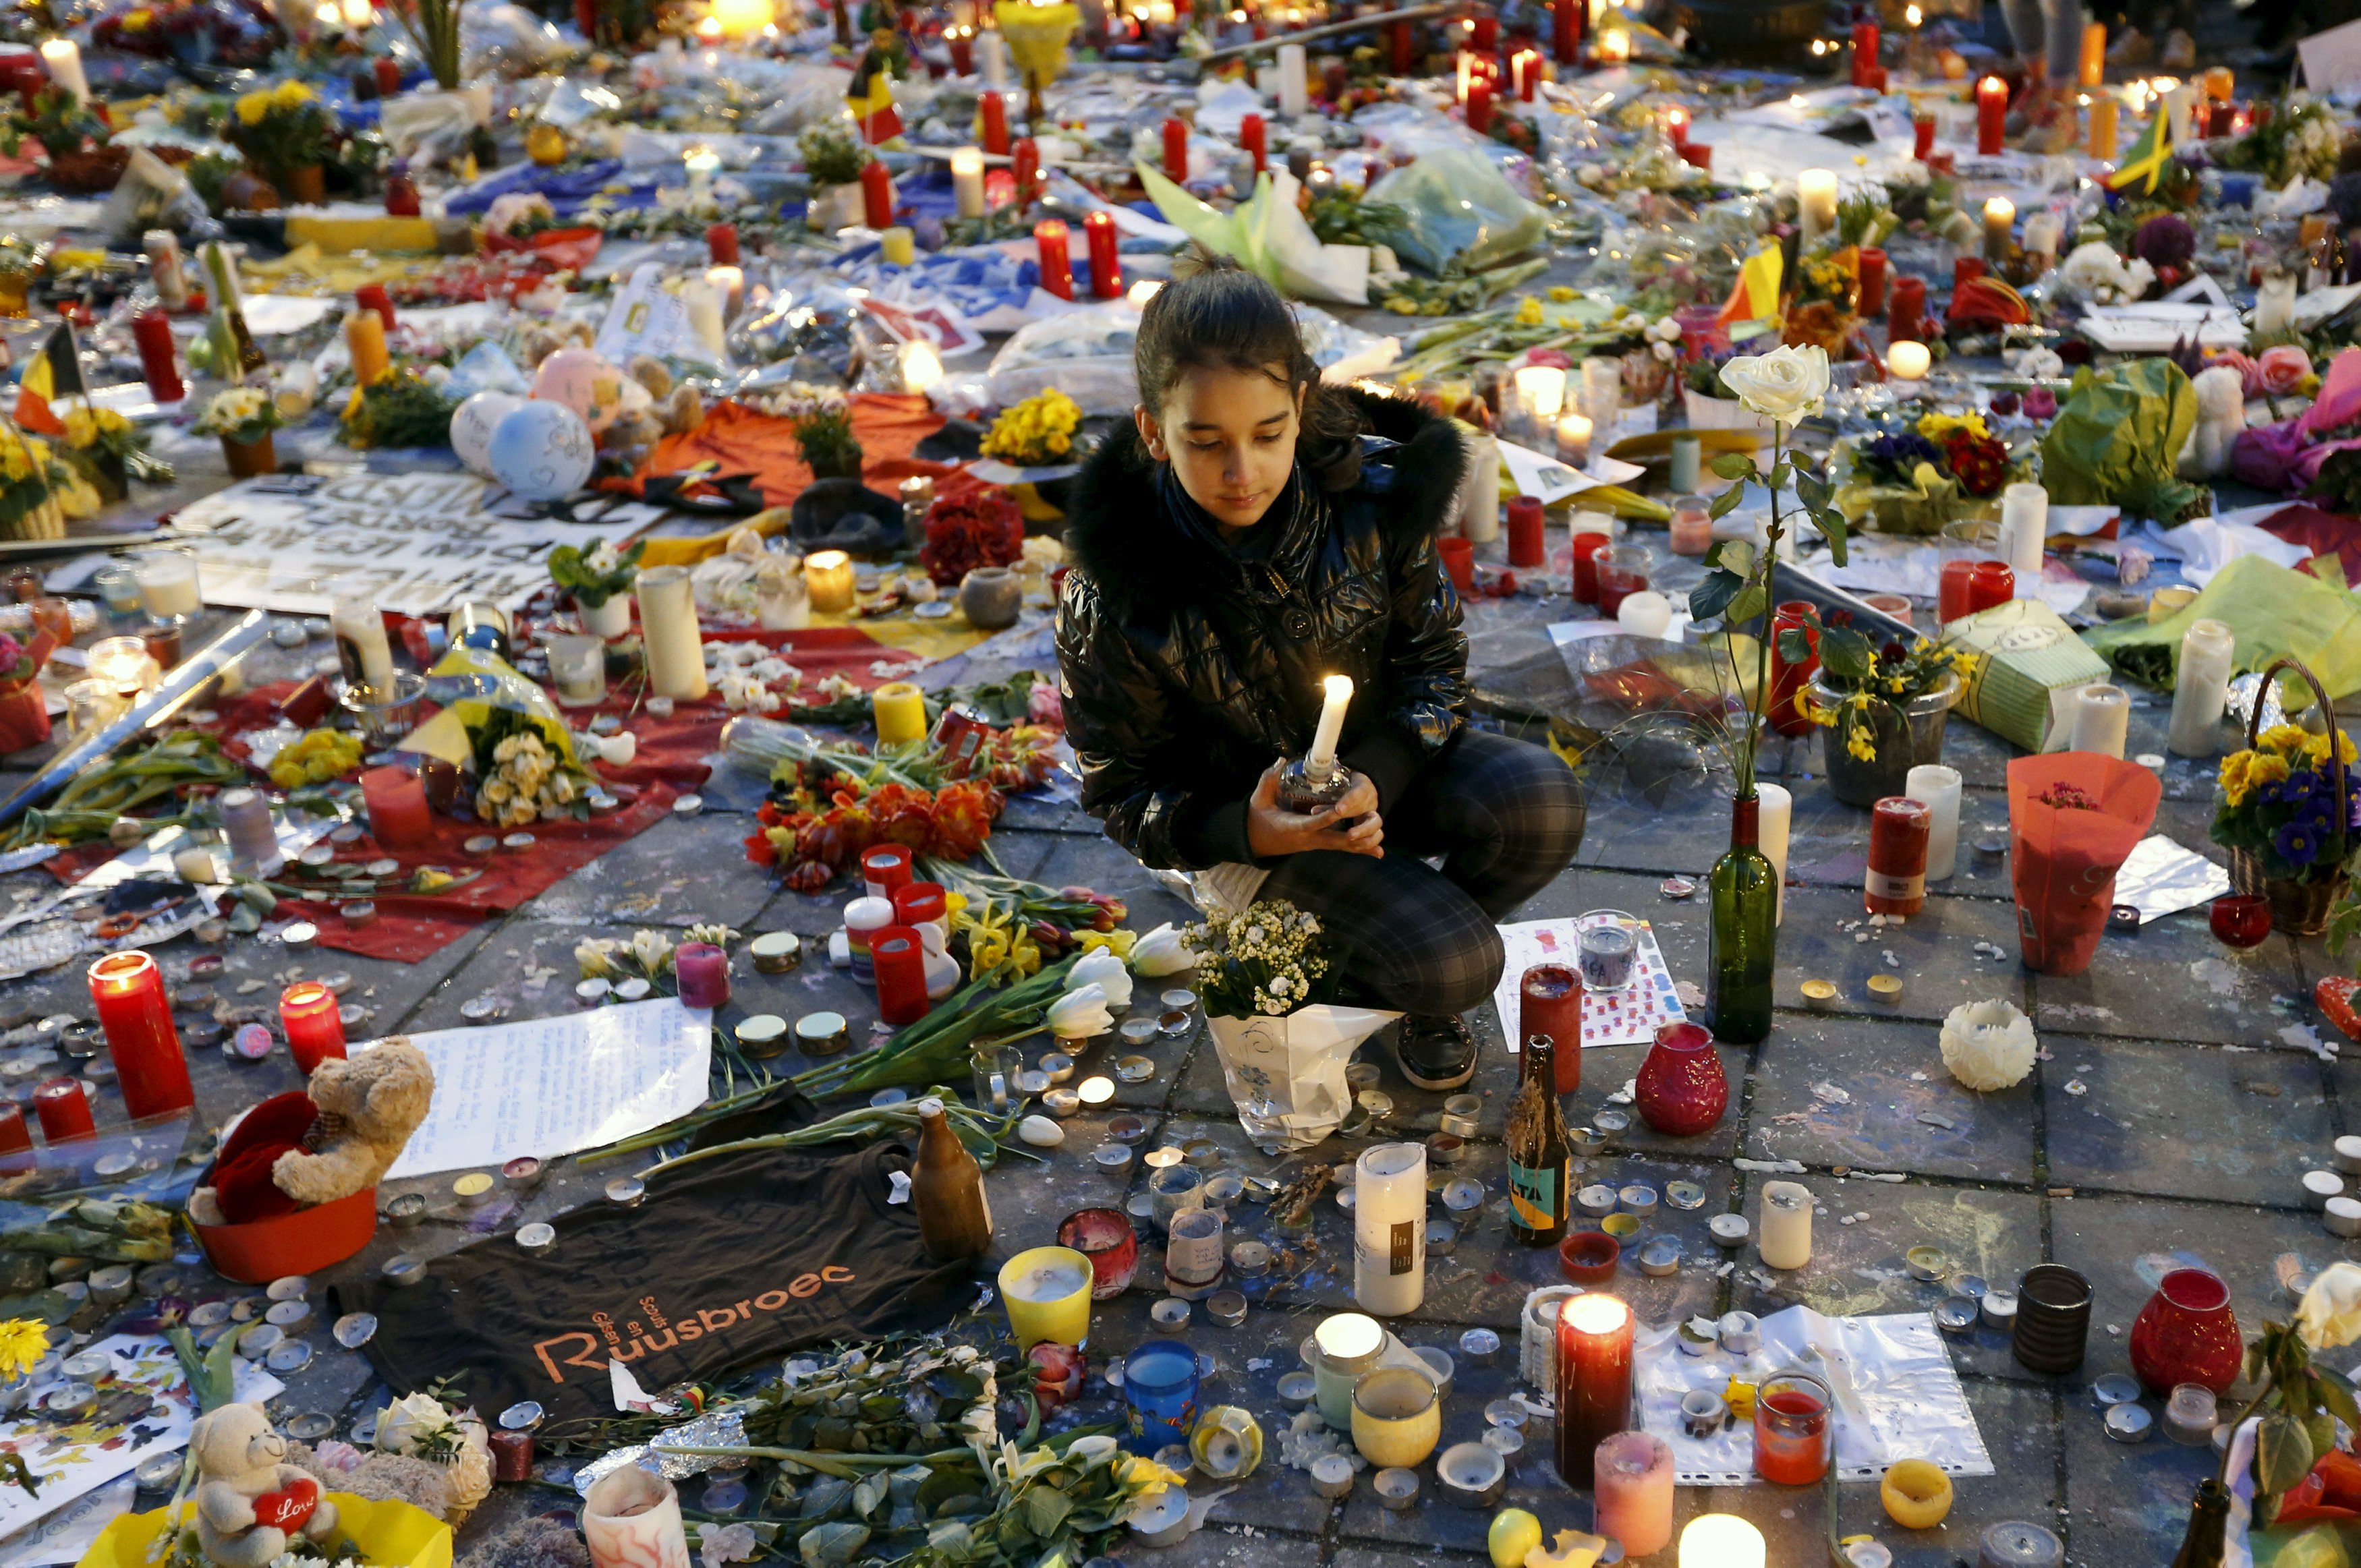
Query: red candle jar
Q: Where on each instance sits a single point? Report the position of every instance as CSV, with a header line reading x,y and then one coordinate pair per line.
x,y
388,76
1025,161
15,1139
1864,54
1895,882
315,1030
2239,919
1586,547
2187,1333
1404,47
396,797
1697,154
1106,1238
1525,539
917,902
901,965
1458,557
1872,262
1594,1380
1622,572
702,970
1681,1091
1057,268
64,1110
1906,311
146,1049
1565,32
1176,150
1552,1004
2219,119
885,868
1793,1440
512,1456
1954,594
721,245
1789,679
876,194
1479,108
962,51
400,190
1487,36
1992,115
159,361
1966,270
1254,137
163,643
996,123
1107,268
373,297
1922,136
1991,583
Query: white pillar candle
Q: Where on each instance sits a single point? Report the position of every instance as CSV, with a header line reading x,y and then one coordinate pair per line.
x,y
1479,497
2023,526
167,582
1775,818
1816,204
1784,1229
1645,614
2102,717
63,59
1294,90
361,643
1390,1229
2201,688
1339,695
967,181
631,1519
2042,234
1574,440
2000,220
1722,1541
1908,361
702,304
1602,394
1541,389
1937,787
674,645
2275,303
991,60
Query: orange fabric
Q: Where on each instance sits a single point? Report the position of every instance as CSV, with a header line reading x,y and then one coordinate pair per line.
x,y
736,440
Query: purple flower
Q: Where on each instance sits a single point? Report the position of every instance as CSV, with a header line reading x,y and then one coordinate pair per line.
x,y
2165,240
2294,790
2298,842
2039,402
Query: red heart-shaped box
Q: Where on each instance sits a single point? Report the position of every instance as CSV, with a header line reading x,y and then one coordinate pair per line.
x,y
288,1508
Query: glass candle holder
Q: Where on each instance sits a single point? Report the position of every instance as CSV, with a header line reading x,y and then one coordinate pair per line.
x,y
1792,1437
2239,919
308,1013
1608,950
703,971
578,667
1106,1238
396,797
1622,571
168,581
63,1107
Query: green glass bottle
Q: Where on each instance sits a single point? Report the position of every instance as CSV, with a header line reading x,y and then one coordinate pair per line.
x,y
1745,931
2209,1520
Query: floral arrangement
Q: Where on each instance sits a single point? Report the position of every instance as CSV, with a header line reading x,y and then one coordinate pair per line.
x,y
419,1426
242,414
282,129
2302,136
832,155
829,449
1821,311
106,449
1874,683
643,966
399,409
1035,432
597,574
2093,269
32,475
812,836
60,122
316,757
2277,802
1917,480
1267,960
983,528
527,781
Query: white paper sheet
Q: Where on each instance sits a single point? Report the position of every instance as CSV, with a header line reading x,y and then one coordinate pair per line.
x,y
1629,1018
2160,877
65,1535
1536,475
552,1086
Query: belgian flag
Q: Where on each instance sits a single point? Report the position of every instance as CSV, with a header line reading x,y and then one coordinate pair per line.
x,y
54,374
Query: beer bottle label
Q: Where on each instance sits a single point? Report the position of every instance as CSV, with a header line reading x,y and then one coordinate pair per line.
x,y
1537,1195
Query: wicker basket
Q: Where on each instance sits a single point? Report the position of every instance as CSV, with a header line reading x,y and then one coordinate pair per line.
x,y
47,521
2298,907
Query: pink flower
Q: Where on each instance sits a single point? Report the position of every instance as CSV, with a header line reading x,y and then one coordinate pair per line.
x,y
2040,402
1557,358
336,1456
2280,372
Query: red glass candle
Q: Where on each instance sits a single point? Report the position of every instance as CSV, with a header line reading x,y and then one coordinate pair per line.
x,y
398,818
996,123
64,1110
1864,54
901,964
1586,547
15,1139
1991,583
2218,119
962,51
1681,1089
1895,882
1954,596
163,640
1622,572
703,971
1024,160
1479,108
721,245
2240,920
876,194
400,190
512,1456
146,1049
1871,261
159,361
1594,1381
1106,1238
2187,1333
1057,271
917,902
388,76
1992,115
373,297
885,868
1788,678
1550,1003
1254,137
1922,136
1176,150
1458,558
1565,32
315,1032
1107,268
1966,270
1404,47
1525,541
1906,311
1793,1440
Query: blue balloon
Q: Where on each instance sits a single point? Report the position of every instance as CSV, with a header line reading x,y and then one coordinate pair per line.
x,y
541,451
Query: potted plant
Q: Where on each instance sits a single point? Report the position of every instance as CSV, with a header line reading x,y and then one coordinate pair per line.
x,y
81,159
287,135
836,510
2283,809
599,579
833,158
243,418
1949,468
1883,707
110,452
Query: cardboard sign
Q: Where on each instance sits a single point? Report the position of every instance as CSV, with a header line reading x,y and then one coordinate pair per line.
x,y
2330,58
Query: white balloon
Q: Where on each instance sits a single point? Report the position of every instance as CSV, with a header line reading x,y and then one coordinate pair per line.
x,y
472,424
542,450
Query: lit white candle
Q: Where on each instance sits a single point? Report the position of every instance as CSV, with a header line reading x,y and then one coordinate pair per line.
x,y
967,181
1390,1229
1322,755
1295,89
1816,203
727,281
2000,219
1774,816
1541,388
631,1519
2101,718
1602,392
1723,1541
2201,688
1574,439
63,59
674,647
361,642
702,302
1937,787
1908,361
2024,528
2042,234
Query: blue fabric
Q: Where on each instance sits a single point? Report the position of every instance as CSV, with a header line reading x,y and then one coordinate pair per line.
x,y
567,189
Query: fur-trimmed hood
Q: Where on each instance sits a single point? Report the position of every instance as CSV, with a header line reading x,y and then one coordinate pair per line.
x,y
1142,563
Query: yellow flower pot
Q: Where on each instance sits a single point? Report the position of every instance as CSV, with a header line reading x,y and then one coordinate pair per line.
x,y
389,1535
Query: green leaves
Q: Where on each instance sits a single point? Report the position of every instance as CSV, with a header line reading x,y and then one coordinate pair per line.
x,y
1715,594
2283,1454
1846,654
1735,465
1794,645
1751,601
1046,1509
1723,505
2336,1393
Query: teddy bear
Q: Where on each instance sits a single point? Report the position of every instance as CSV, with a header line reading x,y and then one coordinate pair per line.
x,y
2221,415
249,1502
368,1105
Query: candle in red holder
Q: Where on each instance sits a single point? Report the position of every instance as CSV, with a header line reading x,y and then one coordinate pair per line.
x,y
2219,119
1991,583
703,971
1526,542
1107,269
1788,679
1176,150
1487,36
1697,154
1594,1381
1057,271
1922,136
1955,593
917,902
146,1049
1525,74
1992,115
1966,270
15,1139
962,51
307,1011
1872,262
901,965
388,76
1552,1004
885,868
1906,311
64,1110
1254,137
400,190
158,362
1404,47
398,813
1565,31
1025,161
876,194
996,123
1864,54
1791,1437
1586,547
1895,882
373,297
1676,126
512,1456
721,245
1479,108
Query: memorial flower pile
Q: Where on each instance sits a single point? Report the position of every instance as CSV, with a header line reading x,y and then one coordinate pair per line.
x,y
2278,801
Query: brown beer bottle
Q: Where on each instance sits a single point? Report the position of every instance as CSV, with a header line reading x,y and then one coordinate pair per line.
x,y
1539,1153
946,1189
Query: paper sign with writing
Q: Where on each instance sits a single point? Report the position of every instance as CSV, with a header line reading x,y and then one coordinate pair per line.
x,y
645,320
2330,58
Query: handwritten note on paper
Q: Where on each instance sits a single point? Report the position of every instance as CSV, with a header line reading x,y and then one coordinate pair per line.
x,y
1626,1017
552,1086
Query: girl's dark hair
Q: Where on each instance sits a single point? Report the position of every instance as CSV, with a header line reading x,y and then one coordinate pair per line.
x,y
1215,314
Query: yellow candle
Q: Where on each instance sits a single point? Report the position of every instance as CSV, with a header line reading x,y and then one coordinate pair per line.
x,y
1047,1292
828,573
365,341
967,181
899,247
1908,361
2103,110
2093,64
901,712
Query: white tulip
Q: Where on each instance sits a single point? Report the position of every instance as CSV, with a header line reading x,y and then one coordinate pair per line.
x,y
1162,952
1103,968
1078,1015
1786,384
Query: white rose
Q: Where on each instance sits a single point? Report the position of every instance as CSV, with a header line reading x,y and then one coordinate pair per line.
x,y
469,1471
1103,968
1080,1013
1786,384
2092,266
1161,952
413,1419
2331,1314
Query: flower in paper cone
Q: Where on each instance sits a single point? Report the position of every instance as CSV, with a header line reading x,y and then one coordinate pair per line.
x,y
2063,860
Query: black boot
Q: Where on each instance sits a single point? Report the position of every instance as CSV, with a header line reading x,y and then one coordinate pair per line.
x,y
1434,1052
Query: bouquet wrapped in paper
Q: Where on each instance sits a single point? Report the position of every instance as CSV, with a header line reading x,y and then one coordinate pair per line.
x,y
2073,817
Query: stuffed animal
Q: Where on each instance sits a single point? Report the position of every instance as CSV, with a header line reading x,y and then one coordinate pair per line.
x,y
369,1104
2221,415
250,1503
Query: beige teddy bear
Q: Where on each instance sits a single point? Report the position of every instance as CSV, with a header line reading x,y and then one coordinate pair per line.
x,y
249,1502
369,1104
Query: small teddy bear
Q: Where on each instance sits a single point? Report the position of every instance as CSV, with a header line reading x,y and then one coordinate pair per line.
x,y
250,1502
368,1106
2221,415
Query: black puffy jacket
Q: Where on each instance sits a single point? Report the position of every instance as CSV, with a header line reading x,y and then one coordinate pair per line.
x,y
1186,671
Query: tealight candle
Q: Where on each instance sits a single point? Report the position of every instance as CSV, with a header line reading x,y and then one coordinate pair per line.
x,y
827,577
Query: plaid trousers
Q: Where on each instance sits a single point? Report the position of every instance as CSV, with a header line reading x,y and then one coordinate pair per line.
x,y
1505,816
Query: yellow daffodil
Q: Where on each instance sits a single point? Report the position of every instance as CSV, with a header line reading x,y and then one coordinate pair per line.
x,y
1119,941
252,107
290,95
23,1342
1529,312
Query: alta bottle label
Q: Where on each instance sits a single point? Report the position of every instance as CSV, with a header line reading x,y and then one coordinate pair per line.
x,y
1537,1197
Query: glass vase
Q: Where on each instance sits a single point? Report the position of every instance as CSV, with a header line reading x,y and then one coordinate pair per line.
x,y
2187,1333
1681,1091
1744,931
